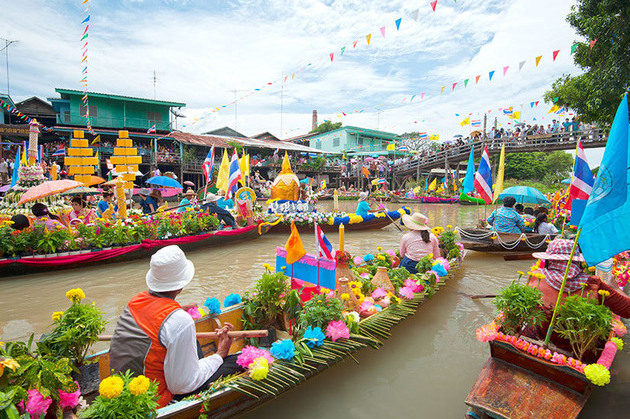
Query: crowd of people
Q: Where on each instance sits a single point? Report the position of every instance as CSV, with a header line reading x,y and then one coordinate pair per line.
x,y
515,218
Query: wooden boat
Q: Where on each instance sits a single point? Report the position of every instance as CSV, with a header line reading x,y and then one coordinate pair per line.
x,y
425,200
516,385
43,263
372,224
239,394
465,199
508,245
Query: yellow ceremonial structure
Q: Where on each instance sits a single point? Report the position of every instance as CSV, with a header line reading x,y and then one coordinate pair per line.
x,y
80,160
286,185
126,159
120,196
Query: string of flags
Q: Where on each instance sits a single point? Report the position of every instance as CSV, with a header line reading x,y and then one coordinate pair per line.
x,y
14,111
84,62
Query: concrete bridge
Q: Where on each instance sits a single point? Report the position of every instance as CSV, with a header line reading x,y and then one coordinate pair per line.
x,y
451,158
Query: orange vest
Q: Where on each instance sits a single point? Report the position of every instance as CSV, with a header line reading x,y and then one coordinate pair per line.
x,y
150,312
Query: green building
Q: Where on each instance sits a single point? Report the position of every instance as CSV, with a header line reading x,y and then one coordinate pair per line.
x,y
355,141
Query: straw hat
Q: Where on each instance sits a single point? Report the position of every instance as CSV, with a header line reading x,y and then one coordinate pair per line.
x,y
170,270
363,196
190,192
560,249
416,221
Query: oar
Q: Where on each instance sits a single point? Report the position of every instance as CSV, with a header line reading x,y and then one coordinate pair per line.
x,y
213,335
474,297
169,209
393,222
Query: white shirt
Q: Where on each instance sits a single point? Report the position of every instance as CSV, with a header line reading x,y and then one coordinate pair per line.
x,y
547,228
183,371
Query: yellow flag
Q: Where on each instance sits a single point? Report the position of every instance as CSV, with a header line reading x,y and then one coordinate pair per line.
x,y
244,164
294,246
442,89
435,137
498,185
374,181
553,109
53,171
391,147
96,139
433,185
224,173
538,60
516,115
465,122
23,160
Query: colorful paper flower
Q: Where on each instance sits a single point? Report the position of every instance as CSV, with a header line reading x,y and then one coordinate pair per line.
x,y
415,287
337,329
439,269
619,328
353,317
213,305
597,374
250,353
194,313
368,257
283,349
445,263
379,293
617,342
69,400
358,260
231,300
406,292
259,369
487,332
139,385
37,404
315,337
111,387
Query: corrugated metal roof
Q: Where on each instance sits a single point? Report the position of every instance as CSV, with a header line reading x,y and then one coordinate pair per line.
x,y
118,97
220,141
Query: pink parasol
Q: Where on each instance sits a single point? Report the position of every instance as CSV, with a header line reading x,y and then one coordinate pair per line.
x,y
48,188
189,183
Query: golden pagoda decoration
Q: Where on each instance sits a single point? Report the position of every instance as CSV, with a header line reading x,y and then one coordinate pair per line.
x,y
80,160
126,159
286,185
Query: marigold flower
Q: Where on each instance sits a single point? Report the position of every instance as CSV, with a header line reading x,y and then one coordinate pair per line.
x,y
75,295
259,369
139,385
57,315
603,293
111,387
597,374
345,296
8,363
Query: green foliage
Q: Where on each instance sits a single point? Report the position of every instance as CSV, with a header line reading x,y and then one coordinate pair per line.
x,y
266,302
596,93
559,165
584,323
236,145
525,165
314,164
517,305
448,241
125,406
326,126
319,311
425,264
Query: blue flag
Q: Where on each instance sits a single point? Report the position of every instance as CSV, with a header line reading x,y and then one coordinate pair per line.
x,y
16,166
469,180
604,231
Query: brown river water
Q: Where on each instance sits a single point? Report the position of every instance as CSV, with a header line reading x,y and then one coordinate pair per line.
x,y
425,369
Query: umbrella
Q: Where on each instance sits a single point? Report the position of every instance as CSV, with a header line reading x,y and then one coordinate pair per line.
x,y
164,181
81,190
189,183
369,159
48,188
565,181
94,180
525,195
382,157
114,182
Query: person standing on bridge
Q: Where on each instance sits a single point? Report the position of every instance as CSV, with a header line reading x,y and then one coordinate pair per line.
x,y
506,219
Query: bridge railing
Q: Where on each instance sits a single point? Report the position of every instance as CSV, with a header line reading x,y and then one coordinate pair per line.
x,y
454,154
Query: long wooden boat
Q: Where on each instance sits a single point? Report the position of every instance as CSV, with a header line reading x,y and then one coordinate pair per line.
x,y
425,200
465,199
43,263
516,385
508,245
372,224
239,394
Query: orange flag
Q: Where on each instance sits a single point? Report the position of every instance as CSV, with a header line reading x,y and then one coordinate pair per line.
x,y
294,246
366,172
538,60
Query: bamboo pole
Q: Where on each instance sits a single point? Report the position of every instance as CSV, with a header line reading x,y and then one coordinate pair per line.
x,y
213,335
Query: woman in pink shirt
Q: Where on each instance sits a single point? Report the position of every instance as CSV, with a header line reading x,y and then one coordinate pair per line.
x,y
418,243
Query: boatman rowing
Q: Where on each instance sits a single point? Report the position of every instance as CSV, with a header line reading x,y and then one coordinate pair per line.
x,y
155,336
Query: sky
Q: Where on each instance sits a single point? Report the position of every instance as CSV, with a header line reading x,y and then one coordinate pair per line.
x,y
206,53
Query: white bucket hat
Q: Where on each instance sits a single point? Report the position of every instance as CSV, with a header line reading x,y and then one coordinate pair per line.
x,y
210,197
416,221
170,270
363,196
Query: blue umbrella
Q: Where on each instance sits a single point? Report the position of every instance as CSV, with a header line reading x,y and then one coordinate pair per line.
x,y
164,181
566,181
525,195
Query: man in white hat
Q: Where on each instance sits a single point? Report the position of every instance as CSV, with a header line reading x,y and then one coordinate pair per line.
x,y
210,205
155,337
418,243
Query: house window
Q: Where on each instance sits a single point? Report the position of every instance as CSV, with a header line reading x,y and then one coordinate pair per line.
x,y
93,111
66,116
154,117
335,142
318,145
360,141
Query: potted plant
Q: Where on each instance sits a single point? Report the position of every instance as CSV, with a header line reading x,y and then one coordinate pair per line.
x,y
318,312
519,305
75,330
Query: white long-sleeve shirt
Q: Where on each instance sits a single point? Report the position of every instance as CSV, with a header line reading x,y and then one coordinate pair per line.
x,y
183,371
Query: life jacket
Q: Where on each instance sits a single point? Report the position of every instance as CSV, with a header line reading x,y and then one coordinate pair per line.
x,y
136,344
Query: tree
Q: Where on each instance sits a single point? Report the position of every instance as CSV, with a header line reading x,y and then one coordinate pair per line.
x,y
326,126
595,94
525,165
558,165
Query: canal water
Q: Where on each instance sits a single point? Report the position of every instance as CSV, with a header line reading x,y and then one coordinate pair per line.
x,y
425,369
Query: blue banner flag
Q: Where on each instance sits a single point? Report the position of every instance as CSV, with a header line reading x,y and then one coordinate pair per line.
x,y
16,167
469,180
604,231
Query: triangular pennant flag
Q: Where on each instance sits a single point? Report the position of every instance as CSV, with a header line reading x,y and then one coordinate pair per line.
x,y
555,99
368,37
414,15
398,23
354,44
477,79
383,31
433,4
86,20
410,100
538,60
332,54
422,96
537,102
466,83
593,43
490,74
520,65
442,90
454,84
505,69
532,104
555,54
342,50
574,48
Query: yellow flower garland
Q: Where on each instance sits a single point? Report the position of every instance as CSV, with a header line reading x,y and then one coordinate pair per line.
x,y
597,374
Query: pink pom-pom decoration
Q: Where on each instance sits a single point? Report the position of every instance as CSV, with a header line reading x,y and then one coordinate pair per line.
x,y
366,305
337,329
444,263
379,293
391,253
406,292
194,313
608,354
435,275
365,275
358,260
618,328
415,287
486,333
69,400
249,353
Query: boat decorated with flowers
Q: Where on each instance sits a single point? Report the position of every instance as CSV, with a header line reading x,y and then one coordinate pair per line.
x,y
425,200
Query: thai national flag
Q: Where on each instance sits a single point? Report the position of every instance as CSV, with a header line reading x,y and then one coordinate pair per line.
x,y
382,181
402,148
235,175
324,247
208,164
424,136
582,182
483,178
59,152
152,129
475,123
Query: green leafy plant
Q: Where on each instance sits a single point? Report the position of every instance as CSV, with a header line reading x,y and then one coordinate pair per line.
x,y
263,306
425,264
319,311
448,241
584,323
517,305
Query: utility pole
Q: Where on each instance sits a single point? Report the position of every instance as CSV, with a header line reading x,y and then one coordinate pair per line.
x,y
378,117
154,83
485,121
235,91
281,103
7,43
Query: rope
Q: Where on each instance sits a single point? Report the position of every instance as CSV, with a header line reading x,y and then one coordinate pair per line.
x,y
503,243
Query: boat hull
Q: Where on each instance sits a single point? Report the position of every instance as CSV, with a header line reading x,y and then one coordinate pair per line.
x,y
373,224
506,244
425,200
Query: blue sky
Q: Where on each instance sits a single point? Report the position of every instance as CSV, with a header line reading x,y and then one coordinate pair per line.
x,y
201,50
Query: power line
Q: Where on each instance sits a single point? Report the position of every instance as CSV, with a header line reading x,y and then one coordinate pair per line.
x,y
7,43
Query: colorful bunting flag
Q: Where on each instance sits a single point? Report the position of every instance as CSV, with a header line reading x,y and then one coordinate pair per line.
x,y
520,65
505,70
477,79
398,23
465,83
414,15
454,84
442,89
574,48
491,74
383,31
433,4
538,60
368,37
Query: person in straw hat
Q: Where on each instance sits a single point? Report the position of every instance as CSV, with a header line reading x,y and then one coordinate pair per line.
x,y
188,201
363,207
418,243
155,336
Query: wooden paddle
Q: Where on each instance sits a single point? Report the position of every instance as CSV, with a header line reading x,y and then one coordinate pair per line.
x,y
213,335
474,297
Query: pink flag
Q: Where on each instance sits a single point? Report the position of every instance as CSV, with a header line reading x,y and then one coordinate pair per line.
x,y
422,96
383,31
433,4
354,44
505,69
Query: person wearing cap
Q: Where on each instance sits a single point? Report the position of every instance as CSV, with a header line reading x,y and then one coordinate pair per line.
x,y
155,336
363,207
148,204
418,243
506,219
210,205
187,201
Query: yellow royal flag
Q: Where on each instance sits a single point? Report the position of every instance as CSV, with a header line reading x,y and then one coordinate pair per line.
x,y
465,122
294,246
23,159
374,181
435,137
433,185
224,173
553,109
391,147
498,185
96,139
244,164
516,115
53,171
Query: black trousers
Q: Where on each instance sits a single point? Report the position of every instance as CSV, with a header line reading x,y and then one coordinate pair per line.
x,y
222,215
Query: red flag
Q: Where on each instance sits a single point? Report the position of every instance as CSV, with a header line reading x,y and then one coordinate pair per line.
x,y
454,84
332,54
555,54
593,43
477,79
433,4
